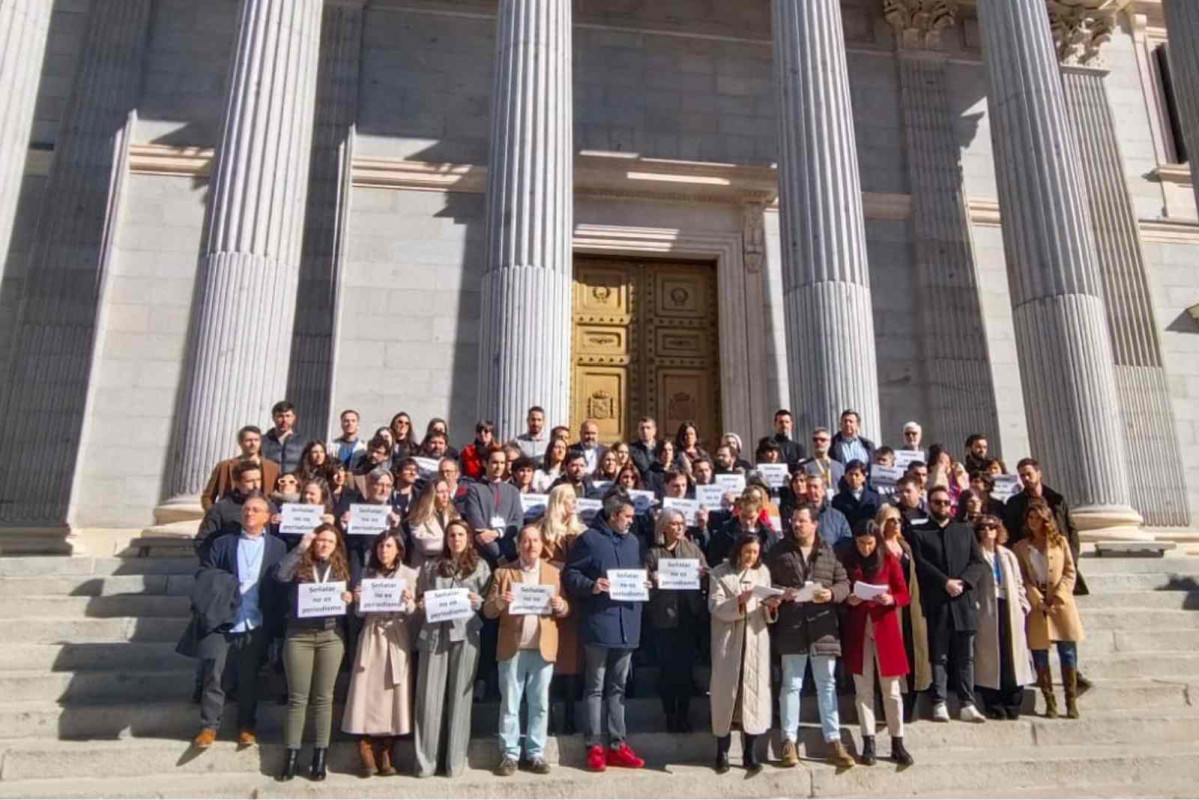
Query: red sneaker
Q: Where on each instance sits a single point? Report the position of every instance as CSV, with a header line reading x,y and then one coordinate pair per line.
x,y
624,756
595,759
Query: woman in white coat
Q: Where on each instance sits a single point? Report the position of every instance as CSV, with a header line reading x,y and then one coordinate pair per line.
x,y
1002,662
740,686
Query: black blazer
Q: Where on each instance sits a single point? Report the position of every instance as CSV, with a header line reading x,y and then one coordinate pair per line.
x,y
941,554
223,555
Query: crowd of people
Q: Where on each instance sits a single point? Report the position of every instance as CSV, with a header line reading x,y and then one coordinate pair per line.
x,y
540,568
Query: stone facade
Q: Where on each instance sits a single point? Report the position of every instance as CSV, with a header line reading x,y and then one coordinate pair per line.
x,y
681,93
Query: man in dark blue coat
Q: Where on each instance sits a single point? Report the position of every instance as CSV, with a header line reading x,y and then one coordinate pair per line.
x,y
252,557
857,501
610,629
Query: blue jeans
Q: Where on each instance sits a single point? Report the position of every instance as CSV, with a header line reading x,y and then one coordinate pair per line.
x,y
525,670
1067,653
824,670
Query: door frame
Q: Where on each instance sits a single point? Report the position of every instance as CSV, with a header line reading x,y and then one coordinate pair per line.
x,y
726,249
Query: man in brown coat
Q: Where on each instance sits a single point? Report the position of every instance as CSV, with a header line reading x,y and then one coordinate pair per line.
x,y
221,482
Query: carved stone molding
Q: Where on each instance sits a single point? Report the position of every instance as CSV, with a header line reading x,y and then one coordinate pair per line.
x,y
753,236
918,23
1081,28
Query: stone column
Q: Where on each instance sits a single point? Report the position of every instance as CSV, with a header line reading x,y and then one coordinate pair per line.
x,y
25,24
958,382
47,386
1143,392
1053,271
524,334
1182,26
310,383
250,266
826,280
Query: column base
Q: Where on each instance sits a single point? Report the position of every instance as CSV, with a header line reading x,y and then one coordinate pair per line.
x,y
185,508
1109,523
52,540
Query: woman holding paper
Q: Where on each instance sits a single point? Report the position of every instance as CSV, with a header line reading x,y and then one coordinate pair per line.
x,y
449,651
314,643
560,526
1002,665
915,627
874,638
740,686
677,617
379,703
315,492
427,522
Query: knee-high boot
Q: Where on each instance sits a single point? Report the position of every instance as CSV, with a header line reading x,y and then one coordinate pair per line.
x,y
1070,682
749,752
1045,682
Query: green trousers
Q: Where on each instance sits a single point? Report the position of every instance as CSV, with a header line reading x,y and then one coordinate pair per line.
x,y
312,659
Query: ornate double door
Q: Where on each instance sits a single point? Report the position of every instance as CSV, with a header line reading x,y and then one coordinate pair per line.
x,y
645,345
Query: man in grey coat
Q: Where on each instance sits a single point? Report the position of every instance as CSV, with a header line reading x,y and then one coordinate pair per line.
x,y
492,507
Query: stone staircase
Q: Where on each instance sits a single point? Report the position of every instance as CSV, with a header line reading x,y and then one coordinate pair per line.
x,y
93,701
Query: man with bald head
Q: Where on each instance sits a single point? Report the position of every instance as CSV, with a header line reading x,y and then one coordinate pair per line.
x,y
589,446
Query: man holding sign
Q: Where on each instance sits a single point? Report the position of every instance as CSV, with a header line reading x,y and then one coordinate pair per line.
x,y
610,628
527,599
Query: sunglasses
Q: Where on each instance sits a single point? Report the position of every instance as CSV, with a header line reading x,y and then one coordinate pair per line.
x,y
940,503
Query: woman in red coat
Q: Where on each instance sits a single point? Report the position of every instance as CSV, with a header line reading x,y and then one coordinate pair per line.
x,y
874,637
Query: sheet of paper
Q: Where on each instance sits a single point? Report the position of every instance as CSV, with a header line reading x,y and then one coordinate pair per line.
x,y
320,599
534,504
627,584
688,508
710,496
300,517
601,486
587,508
775,475
805,592
531,598
869,591
730,483
1005,486
905,457
643,500
766,592
678,573
885,476
446,605
367,519
382,595
426,466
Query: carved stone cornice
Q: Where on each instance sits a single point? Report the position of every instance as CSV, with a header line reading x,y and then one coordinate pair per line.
x,y
1081,28
918,23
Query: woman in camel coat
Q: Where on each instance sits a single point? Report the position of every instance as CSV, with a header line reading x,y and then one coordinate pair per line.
x,y
1049,575
1002,665
740,685
915,627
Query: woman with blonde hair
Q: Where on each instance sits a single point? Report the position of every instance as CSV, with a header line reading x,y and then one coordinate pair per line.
x,y
1049,575
560,526
428,520
915,627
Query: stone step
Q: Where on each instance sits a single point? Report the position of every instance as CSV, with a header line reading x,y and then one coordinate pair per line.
x,y
86,630
1172,564
36,769
112,605
98,686
98,586
92,656
39,566
1157,641
1154,599
1141,581
1119,666
1139,619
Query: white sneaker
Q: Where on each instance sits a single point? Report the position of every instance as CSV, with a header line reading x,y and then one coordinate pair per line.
x,y
940,713
970,714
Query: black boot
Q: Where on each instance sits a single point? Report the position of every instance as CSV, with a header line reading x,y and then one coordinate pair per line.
x,y
568,715
671,712
684,715
867,758
289,764
749,753
899,753
318,763
722,753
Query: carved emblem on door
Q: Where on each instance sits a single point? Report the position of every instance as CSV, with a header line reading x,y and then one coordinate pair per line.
x,y
601,406
681,406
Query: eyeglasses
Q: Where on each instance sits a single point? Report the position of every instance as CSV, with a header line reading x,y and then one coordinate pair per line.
x,y
819,439
911,433
940,503
989,527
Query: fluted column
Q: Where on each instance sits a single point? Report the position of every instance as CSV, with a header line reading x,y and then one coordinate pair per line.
x,y
25,24
1182,26
524,335
56,318
826,280
1158,495
1053,271
310,382
249,269
960,391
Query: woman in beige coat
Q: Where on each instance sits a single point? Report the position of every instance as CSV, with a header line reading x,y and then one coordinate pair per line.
x,y
1049,576
1002,665
915,628
740,686
427,522
379,702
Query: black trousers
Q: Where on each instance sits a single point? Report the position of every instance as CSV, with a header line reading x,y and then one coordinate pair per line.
x,y
678,650
236,656
1008,696
952,655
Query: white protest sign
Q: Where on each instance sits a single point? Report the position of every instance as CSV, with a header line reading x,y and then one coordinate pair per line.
x,y
320,599
710,496
642,499
426,466
367,519
300,517
602,486
905,457
627,584
534,504
688,508
382,595
446,605
775,475
885,476
587,508
678,573
531,598
868,591
1005,486
730,483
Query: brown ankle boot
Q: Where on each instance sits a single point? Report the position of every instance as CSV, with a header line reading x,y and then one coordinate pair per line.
x,y
1070,682
366,752
1045,682
386,745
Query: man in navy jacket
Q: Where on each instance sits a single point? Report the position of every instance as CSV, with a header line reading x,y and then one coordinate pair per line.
x,y
610,629
857,501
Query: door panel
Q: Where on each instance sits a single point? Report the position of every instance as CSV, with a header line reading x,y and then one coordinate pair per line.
x,y
645,344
